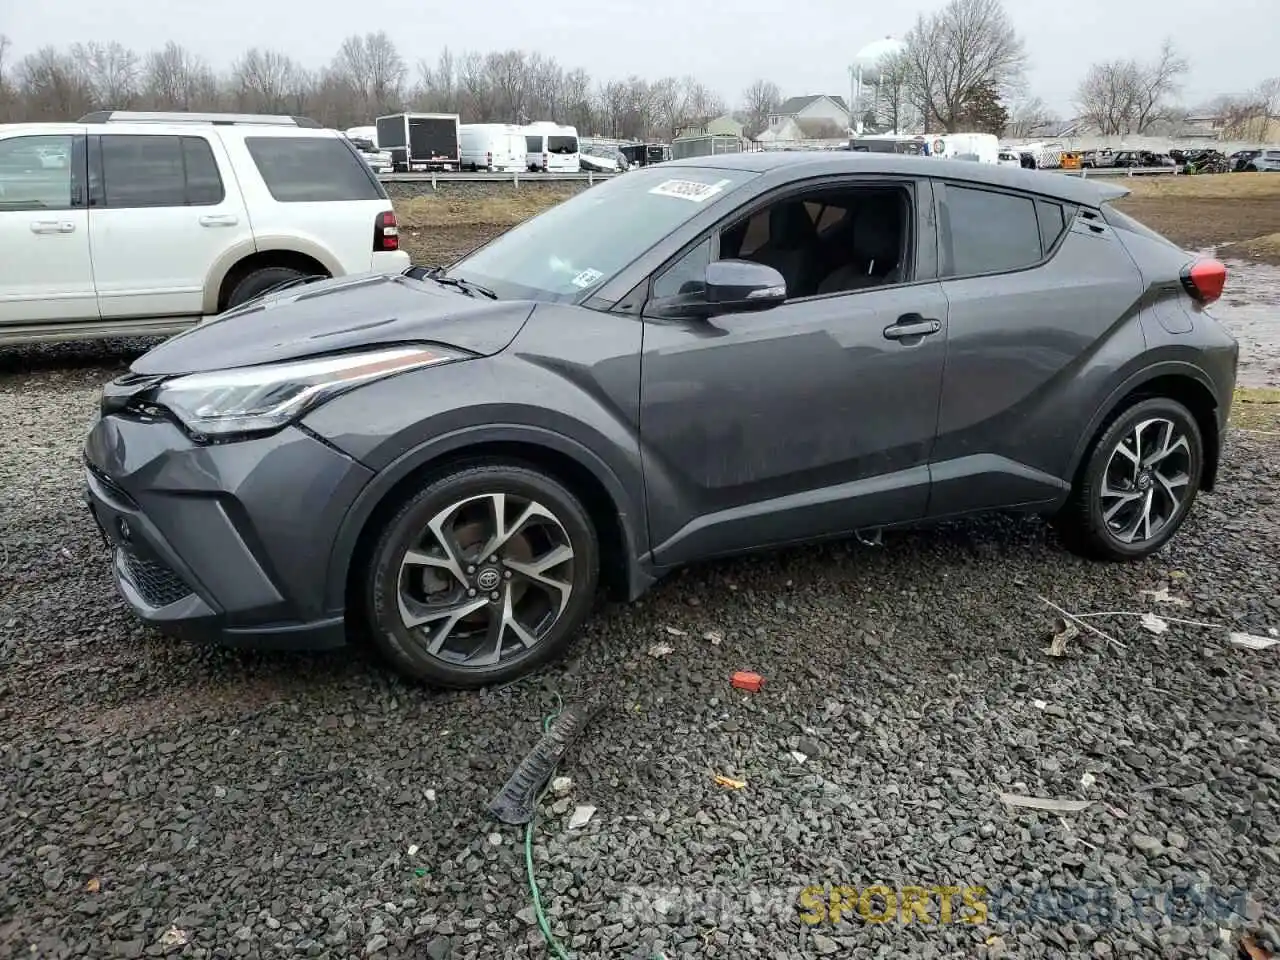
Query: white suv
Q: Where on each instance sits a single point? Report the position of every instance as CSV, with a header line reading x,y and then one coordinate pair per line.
x,y
144,223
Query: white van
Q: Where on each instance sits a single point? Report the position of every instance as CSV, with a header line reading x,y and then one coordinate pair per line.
x,y
552,148
981,147
492,146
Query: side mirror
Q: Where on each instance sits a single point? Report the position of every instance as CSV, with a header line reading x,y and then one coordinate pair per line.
x,y
736,286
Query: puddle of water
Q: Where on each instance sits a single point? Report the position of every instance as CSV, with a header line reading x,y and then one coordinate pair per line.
x,y
1250,309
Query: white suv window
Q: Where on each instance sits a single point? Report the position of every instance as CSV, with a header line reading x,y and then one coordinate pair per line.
x,y
35,173
159,171
312,169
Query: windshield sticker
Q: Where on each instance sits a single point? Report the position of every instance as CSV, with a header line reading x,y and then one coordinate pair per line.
x,y
586,278
689,189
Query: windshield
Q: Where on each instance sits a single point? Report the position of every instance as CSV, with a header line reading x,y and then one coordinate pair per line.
x,y
579,244
562,145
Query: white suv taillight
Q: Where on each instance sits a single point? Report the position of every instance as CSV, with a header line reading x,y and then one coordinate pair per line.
x,y
386,232
545,165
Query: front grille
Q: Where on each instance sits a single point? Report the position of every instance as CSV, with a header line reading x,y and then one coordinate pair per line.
x,y
156,583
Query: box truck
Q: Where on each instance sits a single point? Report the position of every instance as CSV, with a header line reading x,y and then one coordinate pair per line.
x,y
421,141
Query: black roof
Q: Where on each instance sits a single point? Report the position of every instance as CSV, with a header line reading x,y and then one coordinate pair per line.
x,y
816,163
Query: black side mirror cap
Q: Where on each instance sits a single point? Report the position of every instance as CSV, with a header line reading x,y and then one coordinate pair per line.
x,y
736,286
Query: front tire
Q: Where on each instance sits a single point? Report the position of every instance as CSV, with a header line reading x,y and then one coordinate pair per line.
x,y
257,282
481,577
1137,485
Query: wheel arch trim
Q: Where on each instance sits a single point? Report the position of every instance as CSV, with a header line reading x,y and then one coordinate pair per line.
x,y
1166,368
366,503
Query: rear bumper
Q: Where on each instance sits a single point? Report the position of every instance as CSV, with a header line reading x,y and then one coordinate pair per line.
x,y
225,544
390,261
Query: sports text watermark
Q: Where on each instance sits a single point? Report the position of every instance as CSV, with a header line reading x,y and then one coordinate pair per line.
x,y
936,904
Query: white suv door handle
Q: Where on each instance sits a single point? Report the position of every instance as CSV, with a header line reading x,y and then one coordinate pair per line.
x,y
53,226
219,220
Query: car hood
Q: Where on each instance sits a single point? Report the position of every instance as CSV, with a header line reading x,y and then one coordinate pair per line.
x,y
339,314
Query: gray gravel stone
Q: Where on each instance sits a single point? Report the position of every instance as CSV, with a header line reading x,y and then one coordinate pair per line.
x,y
266,802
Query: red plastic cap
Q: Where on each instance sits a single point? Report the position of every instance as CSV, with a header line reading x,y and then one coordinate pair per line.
x,y
1205,279
744,680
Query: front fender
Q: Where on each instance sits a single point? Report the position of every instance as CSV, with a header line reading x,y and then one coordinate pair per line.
x,y
579,401
629,509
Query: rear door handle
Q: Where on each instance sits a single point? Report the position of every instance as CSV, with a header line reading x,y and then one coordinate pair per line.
x,y
53,226
910,326
219,220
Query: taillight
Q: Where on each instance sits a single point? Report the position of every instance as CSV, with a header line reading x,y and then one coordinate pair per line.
x,y
544,161
386,232
1204,279
489,157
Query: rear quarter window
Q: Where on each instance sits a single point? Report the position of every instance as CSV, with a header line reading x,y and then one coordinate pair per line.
x,y
312,170
990,232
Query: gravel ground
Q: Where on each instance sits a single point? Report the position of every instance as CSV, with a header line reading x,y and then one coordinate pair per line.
x,y
163,799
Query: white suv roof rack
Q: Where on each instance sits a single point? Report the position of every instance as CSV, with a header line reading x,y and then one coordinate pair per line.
x,y
228,119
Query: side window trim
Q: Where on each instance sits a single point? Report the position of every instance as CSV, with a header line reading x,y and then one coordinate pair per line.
x,y
946,240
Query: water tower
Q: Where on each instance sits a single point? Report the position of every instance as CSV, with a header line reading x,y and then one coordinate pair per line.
x,y
865,72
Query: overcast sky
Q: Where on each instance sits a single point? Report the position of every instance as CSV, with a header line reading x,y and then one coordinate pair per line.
x,y
805,46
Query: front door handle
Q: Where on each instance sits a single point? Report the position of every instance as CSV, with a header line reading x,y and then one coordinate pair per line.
x,y
911,326
219,220
53,226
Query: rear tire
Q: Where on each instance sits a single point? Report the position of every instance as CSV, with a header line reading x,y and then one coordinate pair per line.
x,y
259,281
452,603
1137,485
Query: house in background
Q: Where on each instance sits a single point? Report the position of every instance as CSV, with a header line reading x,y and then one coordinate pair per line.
x,y
815,117
712,126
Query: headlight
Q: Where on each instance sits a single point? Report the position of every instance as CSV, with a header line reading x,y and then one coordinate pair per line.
x,y
267,397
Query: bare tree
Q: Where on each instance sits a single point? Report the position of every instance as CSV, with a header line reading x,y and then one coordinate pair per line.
x,y
265,81
1108,96
437,88
54,86
508,78
759,101
1125,96
966,45
1248,117
374,70
8,95
176,79
895,91
1157,82
1026,116
474,82
114,73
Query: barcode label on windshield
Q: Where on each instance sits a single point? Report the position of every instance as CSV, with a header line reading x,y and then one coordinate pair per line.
x,y
689,189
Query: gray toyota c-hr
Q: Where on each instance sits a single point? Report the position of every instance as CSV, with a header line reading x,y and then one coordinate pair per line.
x,y
696,359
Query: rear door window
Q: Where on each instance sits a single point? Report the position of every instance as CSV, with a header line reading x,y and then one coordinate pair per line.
x,y
159,171
312,170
